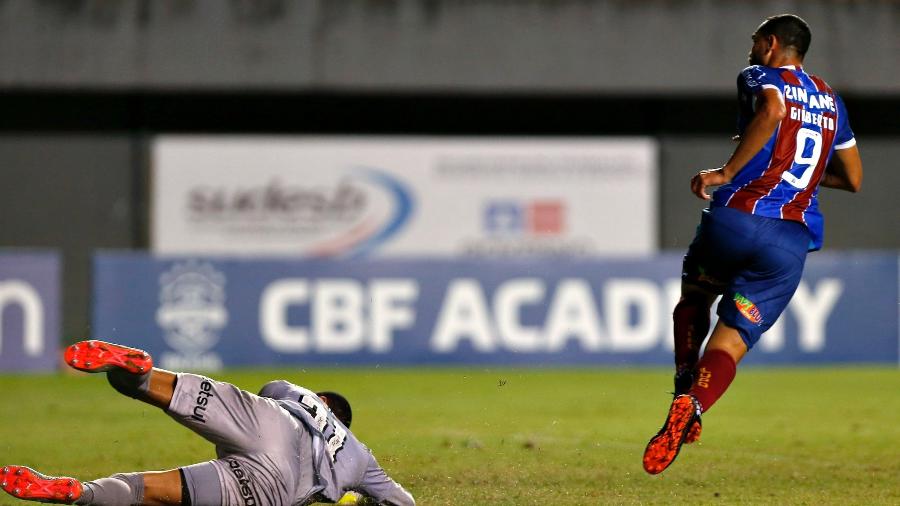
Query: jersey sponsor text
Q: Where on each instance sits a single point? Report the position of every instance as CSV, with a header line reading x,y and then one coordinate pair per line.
x,y
202,401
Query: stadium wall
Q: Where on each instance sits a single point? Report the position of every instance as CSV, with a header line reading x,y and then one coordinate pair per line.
x,y
72,193
443,45
866,220
84,85
77,192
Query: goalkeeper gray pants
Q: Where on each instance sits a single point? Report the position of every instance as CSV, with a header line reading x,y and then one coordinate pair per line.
x,y
264,454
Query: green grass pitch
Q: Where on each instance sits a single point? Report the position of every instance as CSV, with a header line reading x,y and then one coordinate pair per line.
x,y
520,436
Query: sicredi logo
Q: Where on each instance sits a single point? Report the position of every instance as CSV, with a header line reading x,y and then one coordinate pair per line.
x,y
349,214
537,217
376,227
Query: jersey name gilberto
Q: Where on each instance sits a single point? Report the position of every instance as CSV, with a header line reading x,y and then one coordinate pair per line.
x,y
815,101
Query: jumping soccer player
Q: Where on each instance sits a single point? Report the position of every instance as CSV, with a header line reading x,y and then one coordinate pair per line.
x,y
285,446
752,241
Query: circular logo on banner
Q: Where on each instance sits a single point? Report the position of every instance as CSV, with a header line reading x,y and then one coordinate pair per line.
x,y
192,306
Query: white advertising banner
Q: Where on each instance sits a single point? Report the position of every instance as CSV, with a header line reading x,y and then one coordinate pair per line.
x,y
403,196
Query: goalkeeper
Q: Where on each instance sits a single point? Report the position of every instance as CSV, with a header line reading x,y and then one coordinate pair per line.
x,y
285,446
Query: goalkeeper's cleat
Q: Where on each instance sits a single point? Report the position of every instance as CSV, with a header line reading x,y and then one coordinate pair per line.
x,y
26,483
100,356
684,415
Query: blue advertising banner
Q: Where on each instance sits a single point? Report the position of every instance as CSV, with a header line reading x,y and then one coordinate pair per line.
x,y
205,313
29,311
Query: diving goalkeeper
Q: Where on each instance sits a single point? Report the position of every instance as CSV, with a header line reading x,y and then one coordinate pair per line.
x,y
285,446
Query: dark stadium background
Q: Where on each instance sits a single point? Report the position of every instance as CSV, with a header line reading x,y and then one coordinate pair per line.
x,y
90,89
84,85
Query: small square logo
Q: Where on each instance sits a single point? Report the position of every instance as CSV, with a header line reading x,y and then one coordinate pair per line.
x,y
503,217
531,218
546,217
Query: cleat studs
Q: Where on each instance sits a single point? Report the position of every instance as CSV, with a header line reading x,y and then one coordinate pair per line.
x,y
4,484
5,469
17,491
19,471
87,364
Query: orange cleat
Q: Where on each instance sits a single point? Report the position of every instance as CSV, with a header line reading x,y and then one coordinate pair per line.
x,y
683,419
100,356
26,483
693,433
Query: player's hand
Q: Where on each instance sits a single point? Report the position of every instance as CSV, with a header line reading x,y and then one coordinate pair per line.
x,y
704,178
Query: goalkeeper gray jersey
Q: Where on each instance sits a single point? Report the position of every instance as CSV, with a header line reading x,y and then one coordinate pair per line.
x,y
279,448
340,461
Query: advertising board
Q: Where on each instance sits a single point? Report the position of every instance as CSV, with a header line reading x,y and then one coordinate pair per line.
x,y
207,313
341,197
29,311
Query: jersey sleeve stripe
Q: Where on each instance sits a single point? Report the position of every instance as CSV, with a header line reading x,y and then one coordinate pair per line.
x,y
847,144
776,88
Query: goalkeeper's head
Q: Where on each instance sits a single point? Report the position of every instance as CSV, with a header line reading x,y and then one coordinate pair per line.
x,y
337,403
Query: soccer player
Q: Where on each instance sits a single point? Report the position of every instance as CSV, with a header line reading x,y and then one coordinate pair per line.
x,y
285,446
752,242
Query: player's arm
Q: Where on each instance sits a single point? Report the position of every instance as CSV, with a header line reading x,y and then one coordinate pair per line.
x,y
770,110
361,499
378,488
844,171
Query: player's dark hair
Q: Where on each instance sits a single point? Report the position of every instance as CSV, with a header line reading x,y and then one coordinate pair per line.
x,y
790,30
338,405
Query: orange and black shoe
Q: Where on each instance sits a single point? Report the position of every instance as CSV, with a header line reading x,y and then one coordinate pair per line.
x,y
26,483
682,421
100,356
694,432
684,380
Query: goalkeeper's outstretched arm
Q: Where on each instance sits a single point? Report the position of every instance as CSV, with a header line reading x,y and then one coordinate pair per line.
x,y
378,488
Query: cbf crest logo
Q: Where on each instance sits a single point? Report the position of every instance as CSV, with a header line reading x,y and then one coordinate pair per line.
x,y
192,313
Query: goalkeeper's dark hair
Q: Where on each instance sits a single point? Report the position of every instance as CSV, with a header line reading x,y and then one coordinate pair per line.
x,y
338,405
790,30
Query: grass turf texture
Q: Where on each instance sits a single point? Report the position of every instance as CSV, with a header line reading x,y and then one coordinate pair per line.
x,y
517,436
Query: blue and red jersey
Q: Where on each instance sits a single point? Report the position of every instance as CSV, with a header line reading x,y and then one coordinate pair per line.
x,y
782,180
